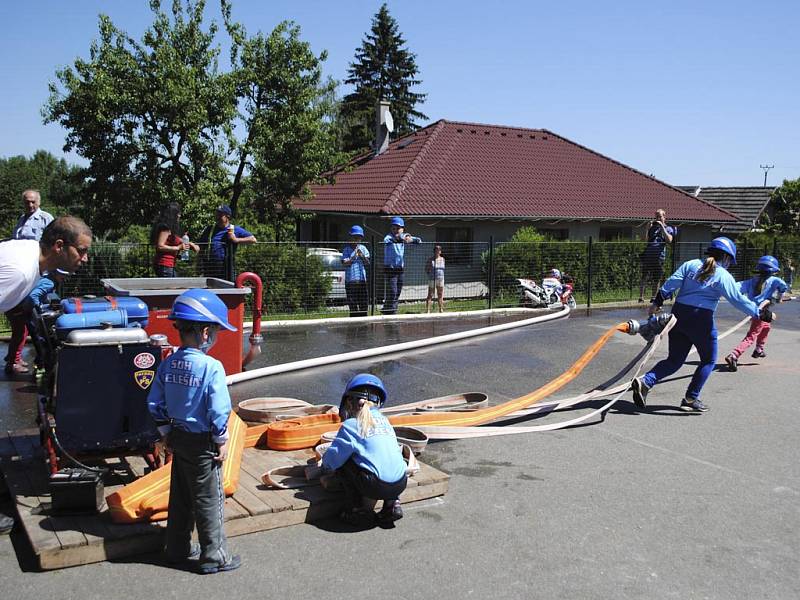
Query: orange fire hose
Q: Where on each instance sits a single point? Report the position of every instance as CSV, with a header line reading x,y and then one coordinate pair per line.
x,y
305,432
147,498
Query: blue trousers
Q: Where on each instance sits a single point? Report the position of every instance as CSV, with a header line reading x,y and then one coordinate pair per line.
x,y
394,279
695,327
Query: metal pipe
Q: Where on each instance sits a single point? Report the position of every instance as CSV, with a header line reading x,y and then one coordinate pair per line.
x,y
256,338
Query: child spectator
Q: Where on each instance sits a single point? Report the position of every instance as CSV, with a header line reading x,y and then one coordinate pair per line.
x,y
365,454
764,286
435,270
190,403
355,257
394,262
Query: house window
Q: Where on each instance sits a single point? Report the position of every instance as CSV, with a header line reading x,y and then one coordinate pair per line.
x,y
456,244
612,234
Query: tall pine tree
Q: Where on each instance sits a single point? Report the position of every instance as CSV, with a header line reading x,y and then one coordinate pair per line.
x,y
383,70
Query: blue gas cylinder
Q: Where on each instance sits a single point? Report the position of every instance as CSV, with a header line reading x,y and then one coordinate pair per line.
x,y
90,320
136,309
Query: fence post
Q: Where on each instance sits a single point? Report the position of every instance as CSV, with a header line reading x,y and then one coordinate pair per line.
x,y
372,270
589,274
491,271
743,267
775,248
674,252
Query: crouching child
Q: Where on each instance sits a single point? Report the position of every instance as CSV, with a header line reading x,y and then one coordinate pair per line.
x,y
365,454
190,403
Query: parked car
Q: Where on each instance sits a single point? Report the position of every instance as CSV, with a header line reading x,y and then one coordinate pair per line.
x,y
334,269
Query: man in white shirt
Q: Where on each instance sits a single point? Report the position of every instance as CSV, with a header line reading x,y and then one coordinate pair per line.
x,y
33,221
62,249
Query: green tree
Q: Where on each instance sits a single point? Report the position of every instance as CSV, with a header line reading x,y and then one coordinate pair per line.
x,y
383,70
787,207
57,182
160,121
285,107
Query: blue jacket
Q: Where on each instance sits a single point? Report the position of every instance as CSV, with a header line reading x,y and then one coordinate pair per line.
x,y
706,294
395,251
218,240
771,286
378,452
356,270
189,393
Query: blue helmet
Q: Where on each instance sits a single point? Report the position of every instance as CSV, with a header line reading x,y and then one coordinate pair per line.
x,y
369,385
201,306
726,245
767,264
398,221
356,230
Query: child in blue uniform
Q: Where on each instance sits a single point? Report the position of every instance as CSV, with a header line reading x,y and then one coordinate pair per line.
x,y
365,453
394,262
699,286
190,403
355,257
764,286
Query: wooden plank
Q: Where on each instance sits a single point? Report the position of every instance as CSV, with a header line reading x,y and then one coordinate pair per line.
x,y
62,541
422,492
66,528
234,510
250,477
35,522
250,501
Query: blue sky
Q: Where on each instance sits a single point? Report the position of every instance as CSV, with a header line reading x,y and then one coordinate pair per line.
x,y
694,92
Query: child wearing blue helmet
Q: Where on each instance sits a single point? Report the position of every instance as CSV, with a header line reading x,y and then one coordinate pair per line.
x,y
190,403
764,286
355,257
699,285
394,262
365,453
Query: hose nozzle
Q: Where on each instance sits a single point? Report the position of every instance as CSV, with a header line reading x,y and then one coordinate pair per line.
x,y
651,327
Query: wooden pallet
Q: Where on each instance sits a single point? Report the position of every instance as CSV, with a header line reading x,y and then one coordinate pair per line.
x,y
66,541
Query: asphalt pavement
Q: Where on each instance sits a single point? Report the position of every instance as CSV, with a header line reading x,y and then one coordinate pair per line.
x,y
651,504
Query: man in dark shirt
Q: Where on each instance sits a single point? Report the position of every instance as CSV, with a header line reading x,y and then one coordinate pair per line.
x,y
655,253
219,242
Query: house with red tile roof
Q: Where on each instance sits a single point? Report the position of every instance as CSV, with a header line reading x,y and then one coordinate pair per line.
x,y
467,182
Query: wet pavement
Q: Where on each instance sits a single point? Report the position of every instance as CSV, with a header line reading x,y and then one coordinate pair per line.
x,y
503,365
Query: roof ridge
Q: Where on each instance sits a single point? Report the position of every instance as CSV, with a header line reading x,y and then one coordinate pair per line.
x,y
472,124
394,197
638,172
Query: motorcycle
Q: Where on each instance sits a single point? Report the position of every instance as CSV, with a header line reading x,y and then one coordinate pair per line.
x,y
550,294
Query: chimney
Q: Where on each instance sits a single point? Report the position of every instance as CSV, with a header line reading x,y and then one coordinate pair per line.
x,y
384,125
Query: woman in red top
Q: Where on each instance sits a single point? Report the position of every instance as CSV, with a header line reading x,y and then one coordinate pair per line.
x,y
166,238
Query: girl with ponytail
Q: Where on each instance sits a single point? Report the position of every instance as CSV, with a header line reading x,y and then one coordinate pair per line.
x,y
765,285
699,285
365,454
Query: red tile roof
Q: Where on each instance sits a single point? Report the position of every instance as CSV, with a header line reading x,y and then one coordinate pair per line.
x,y
466,169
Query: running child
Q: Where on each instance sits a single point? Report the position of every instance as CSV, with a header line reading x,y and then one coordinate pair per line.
x,y
764,286
365,454
190,403
699,285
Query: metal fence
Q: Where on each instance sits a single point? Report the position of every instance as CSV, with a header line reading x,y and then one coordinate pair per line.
x,y
304,280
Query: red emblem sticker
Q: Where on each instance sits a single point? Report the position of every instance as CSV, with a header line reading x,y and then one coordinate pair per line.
x,y
144,360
